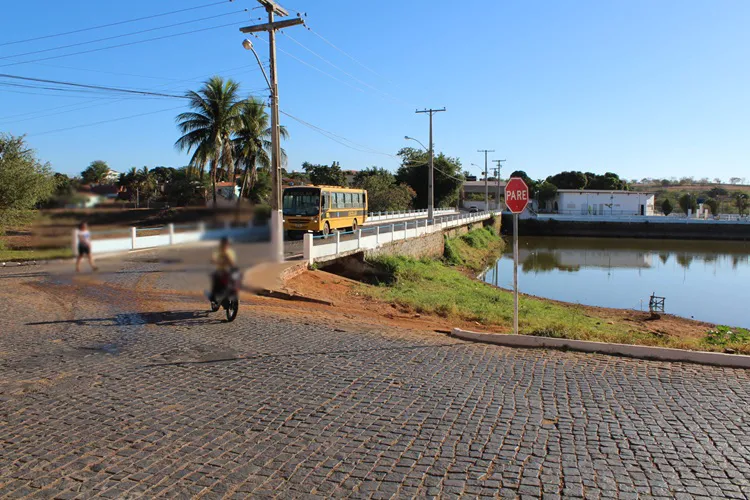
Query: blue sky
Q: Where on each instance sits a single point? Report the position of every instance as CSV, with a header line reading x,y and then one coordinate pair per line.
x,y
637,87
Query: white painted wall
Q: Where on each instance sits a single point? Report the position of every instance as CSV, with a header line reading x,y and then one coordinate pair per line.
x,y
598,203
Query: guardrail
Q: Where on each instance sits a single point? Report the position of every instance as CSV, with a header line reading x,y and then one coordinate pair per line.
x,y
334,246
656,219
167,235
404,214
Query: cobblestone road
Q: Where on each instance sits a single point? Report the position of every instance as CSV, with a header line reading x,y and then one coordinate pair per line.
x,y
108,389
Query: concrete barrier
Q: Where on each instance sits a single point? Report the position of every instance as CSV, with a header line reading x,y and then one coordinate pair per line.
x,y
632,351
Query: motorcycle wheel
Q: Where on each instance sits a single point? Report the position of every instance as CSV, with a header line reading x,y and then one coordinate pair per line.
x,y
233,306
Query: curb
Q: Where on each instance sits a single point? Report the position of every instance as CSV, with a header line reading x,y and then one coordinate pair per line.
x,y
631,351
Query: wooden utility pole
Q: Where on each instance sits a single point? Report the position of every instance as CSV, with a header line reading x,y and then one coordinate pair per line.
x,y
486,180
497,178
431,174
277,216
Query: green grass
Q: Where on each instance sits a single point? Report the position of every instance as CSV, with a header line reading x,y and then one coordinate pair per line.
x,y
442,288
474,250
27,255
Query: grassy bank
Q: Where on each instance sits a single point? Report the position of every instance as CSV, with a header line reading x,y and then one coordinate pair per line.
x,y
7,255
445,288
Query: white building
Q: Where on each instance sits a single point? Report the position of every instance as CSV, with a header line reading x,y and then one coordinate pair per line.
x,y
600,202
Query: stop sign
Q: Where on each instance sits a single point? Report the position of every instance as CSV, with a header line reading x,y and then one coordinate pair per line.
x,y
516,195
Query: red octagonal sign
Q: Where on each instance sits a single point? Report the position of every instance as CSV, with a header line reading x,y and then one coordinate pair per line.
x,y
516,195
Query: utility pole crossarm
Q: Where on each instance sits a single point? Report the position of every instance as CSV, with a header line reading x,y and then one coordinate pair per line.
x,y
277,25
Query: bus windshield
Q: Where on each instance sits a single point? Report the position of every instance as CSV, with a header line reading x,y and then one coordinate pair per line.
x,y
301,201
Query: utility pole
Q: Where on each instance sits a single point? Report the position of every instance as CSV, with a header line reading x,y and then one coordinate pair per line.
x,y
431,174
486,180
497,177
277,216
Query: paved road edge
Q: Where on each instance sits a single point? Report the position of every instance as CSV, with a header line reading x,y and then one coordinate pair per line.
x,y
632,351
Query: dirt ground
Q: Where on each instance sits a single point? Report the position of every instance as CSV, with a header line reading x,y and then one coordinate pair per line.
x,y
350,302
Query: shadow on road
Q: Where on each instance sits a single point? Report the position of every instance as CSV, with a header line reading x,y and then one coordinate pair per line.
x,y
162,318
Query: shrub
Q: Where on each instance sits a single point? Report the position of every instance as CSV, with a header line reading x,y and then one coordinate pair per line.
x,y
723,335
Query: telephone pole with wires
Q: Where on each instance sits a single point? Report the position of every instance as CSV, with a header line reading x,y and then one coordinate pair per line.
x,y
431,174
486,180
277,216
497,178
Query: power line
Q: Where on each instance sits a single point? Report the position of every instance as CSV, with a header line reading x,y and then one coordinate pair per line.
x,y
65,129
345,53
113,24
94,87
337,138
122,44
78,44
314,67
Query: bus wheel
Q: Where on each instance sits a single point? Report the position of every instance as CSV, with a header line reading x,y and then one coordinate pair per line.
x,y
326,230
354,225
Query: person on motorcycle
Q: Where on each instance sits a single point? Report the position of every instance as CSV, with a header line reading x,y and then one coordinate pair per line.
x,y
226,261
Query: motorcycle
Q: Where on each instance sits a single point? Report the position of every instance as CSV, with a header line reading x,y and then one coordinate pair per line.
x,y
227,293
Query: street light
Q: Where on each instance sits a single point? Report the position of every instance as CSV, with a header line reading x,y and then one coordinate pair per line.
x,y
248,45
430,185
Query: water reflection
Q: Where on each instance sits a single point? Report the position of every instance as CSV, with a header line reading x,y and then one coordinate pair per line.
x,y
702,279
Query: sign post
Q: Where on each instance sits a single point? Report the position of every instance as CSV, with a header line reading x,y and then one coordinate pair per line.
x,y
516,199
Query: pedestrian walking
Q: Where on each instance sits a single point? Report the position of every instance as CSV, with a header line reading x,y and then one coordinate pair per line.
x,y
84,247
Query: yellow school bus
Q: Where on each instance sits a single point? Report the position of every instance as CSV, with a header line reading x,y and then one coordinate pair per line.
x,y
323,209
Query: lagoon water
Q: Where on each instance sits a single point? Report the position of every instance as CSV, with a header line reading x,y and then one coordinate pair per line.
x,y
704,280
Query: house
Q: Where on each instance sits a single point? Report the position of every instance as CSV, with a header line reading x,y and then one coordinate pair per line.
x,y
112,177
601,202
227,190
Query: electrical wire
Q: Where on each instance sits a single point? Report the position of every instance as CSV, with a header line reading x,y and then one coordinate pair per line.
x,y
118,23
345,53
337,138
65,129
78,44
123,44
91,87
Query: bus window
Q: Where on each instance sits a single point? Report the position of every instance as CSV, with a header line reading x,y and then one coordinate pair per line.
x,y
357,202
325,201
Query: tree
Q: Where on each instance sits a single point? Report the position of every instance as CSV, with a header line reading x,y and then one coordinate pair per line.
x,y
414,172
666,207
139,184
530,183
252,142
323,175
734,180
568,180
95,173
717,180
741,201
713,205
545,191
717,192
687,202
24,181
384,194
208,128
187,187
64,185
608,182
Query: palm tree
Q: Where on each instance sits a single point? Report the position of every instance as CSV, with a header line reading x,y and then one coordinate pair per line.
x,y
209,127
252,142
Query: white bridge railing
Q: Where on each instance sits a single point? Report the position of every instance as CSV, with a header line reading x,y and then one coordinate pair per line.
x,y
321,248
406,214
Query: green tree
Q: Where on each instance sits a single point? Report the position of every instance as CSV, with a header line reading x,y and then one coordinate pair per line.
x,y
666,207
141,185
64,185
252,143
717,192
24,181
608,181
384,194
713,205
741,201
545,191
95,173
569,180
528,180
414,171
187,187
323,175
687,202
207,129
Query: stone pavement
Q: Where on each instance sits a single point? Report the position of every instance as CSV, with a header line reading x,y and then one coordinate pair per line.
x,y
121,385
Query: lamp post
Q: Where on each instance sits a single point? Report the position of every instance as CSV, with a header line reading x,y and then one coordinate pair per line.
x,y
430,183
